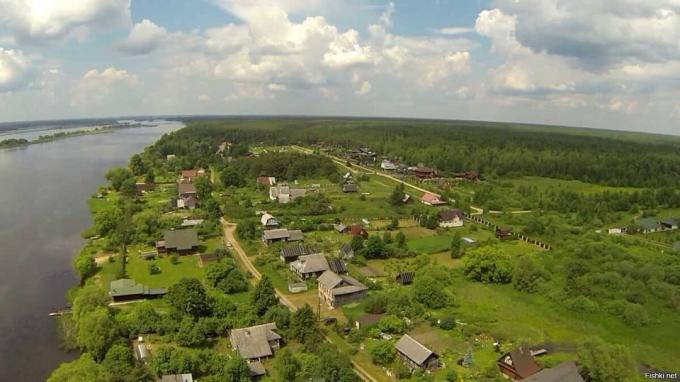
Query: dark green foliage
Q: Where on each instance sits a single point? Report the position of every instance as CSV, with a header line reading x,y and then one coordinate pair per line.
x,y
264,296
280,315
335,366
303,326
287,367
357,243
397,196
188,296
604,362
229,177
376,248
154,269
85,266
488,266
382,353
83,369
392,324
528,275
456,246
447,323
137,165
247,230
117,176
203,187
429,292
376,304
96,331
189,333
400,240
288,166
224,276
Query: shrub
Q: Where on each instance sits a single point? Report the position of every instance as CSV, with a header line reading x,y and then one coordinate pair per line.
x,y
154,269
382,353
447,323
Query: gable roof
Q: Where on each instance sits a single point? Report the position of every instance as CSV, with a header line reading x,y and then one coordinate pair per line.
x,y
649,223
521,361
186,188
256,369
310,264
273,234
347,250
350,187
448,215
295,235
126,287
356,229
405,277
431,198
266,217
337,265
266,180
253,342
413,350
296,251
340,284
189,173
564,372
181,239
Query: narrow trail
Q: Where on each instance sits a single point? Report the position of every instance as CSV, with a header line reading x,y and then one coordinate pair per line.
x,y
229,229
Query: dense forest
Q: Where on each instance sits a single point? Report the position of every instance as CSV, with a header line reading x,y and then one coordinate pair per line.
x,y
455,146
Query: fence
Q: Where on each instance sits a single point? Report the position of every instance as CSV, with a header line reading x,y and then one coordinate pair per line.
x,y
519,236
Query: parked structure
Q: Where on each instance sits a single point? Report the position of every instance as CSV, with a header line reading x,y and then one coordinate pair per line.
x,y
564,372
268,220
518,364
256,369
405,278
431,199
182,241
289,254
128,290
337,265
255,342
451,218
337,289
309,266
415,355
190,175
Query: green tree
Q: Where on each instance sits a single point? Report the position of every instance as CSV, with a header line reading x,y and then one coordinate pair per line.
x,y
456,246
119,364
604,362
303,325
264,296
247,230
189,297
83,369
236,370
189,333
106,219
117,176
85,266
230,177
357,243
137,165
375,248
89,298
382,353
401,240
96,331
203,187
287,367
528,275
397,195
488,266
429,292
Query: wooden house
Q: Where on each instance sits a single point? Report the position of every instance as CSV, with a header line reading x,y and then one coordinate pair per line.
x,y
415,355
518,364
337,289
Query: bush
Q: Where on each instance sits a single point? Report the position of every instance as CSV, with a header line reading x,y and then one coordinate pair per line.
x,y
154,269
376,304
382,353
631,314
447,323
488,266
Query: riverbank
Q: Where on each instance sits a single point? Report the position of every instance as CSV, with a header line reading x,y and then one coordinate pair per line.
x,y
21,142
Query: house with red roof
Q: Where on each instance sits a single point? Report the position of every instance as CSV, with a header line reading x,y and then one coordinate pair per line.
x,y
431,199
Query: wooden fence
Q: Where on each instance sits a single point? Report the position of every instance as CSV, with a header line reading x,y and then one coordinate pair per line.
x,y
519,236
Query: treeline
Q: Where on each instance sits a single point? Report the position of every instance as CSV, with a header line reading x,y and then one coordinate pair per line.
x,y
286,166
455,146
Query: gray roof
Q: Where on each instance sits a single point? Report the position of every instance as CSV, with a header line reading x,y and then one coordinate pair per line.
x,y
296,251
337,265
297,193
310,264
253,342
564,372
448,215
181,239
256,369
273,234
186,188
340,284
350,187
347,250
295,235
177,378
649,223
126,287
414,350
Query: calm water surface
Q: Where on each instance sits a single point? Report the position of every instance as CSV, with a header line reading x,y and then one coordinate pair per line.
x,y
43,194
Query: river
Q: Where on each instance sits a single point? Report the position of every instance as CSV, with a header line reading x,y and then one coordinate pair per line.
x,y
43,194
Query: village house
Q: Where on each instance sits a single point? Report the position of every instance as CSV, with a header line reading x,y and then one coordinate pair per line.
x,y
182,241
669,223
190,175
255,342
337,289
388,165
468,175
649,225
191,222
451,218
187,197
415,355
422,172
284,194
503,232
564,372
405,278
281,234
178,378
430,199
518,364
617,231
358,230
308,266
256,370
349,187
268,220
266,180
289,254
144,187
128,290
346,252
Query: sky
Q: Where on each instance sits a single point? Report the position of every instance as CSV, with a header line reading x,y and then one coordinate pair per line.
x,y
611,64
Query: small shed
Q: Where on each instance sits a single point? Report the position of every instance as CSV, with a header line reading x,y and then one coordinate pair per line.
x,y
337,265
416,355
405,278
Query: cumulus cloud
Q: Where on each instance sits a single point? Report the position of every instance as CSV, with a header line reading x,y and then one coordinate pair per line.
x,y
95,87
454,31
15,70
38,21
144,37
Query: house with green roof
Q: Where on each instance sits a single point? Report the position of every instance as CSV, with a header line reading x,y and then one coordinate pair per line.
x,y
182,241
128,290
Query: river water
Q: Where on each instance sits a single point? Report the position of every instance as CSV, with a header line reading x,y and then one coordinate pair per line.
x,y
43,194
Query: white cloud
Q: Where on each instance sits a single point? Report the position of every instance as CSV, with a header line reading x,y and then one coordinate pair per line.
x,y
144,37
204,98
96,87
454,31
15,70
42,20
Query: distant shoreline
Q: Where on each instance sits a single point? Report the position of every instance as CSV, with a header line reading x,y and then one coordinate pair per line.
x,y
22,142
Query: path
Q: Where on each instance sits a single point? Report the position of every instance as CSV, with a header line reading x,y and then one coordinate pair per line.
x,y
229,229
